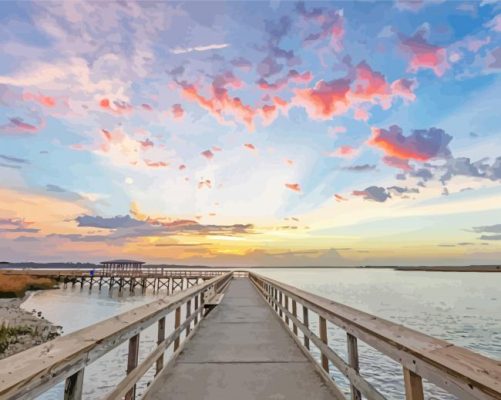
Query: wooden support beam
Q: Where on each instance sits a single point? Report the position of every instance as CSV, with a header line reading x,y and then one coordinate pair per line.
x,y
413,386
132,360
73,386
294,312
280,301
161,337
177,322
196,310
322,326
188,313
353,362
286,305
306,323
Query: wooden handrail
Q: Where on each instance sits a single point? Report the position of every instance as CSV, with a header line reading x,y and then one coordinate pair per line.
x,y
459,371
32,372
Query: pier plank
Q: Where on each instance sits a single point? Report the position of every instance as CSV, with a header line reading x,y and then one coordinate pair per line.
x,y
245,358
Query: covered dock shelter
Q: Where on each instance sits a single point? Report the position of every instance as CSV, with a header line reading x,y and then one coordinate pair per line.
x,y
121,267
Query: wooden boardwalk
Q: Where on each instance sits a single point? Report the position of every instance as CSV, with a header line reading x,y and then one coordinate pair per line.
x,y
241,350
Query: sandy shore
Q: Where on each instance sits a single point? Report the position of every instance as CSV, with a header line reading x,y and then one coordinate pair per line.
x,y
12,315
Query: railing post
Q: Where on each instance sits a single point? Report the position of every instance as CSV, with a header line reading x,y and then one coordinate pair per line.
x,y
196,310
73,386
188,313
280,301
132,363
413,385
306,323
177,323
276,298
353,361
161,337
294,313
323,337
286,306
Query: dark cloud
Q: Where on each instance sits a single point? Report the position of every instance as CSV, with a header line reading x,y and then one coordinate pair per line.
x,y
14,159
446,245
462,166
10,166
125,221
182,244
496,229
360,168
55,188
16,225
398,190
421,145
374,193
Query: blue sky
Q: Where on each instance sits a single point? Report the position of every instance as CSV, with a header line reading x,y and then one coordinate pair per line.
x,y
244,133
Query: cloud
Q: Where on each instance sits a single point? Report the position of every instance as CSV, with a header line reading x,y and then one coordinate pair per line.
x,y
177,111
495,23
17,126
15,225
424,55
183,50
420,145
13,162
360,168
293,186
344,151
374,193
396,162
90,221
292,76
55,188
325,100
462,166
209,155
250,146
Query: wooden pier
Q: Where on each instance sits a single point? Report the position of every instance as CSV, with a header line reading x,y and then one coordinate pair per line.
x,y
260,341
157,279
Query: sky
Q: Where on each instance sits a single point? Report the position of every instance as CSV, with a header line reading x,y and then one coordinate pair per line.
x,y
251,133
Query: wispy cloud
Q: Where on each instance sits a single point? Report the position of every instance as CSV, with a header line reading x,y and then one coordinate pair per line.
x,y
183,50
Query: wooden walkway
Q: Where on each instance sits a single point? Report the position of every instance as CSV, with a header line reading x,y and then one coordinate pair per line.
x,y
240,351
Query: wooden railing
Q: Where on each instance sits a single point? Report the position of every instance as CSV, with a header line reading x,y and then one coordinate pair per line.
x,y
27,374
458,371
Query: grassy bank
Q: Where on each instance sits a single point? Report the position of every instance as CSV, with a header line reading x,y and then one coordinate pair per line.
x,y
17,285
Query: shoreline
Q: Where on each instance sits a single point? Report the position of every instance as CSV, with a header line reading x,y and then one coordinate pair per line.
x,y
13,315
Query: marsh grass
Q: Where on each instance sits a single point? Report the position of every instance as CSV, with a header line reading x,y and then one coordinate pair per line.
x,y
17,285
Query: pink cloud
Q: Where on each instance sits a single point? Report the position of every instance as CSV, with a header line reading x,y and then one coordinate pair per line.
x,y
336,130
344,151
46,101
216,148
116,107
156,164
19,126
292,76
340,198
181,167
250,146
396,162
325,100
147,107
424,55
177,111
205,183
404,88
361,115
495,23
209,155
293,186
420,145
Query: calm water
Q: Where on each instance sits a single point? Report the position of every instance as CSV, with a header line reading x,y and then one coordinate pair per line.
x,y
464,308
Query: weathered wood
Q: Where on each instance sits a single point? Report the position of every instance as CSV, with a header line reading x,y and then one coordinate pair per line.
x,y
131,379
294,312
73,387
306,323
353,376
161,337
177,322
459,371
322,327
413,386
352,344
188,313
196,310
286,306
132,360
28,374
